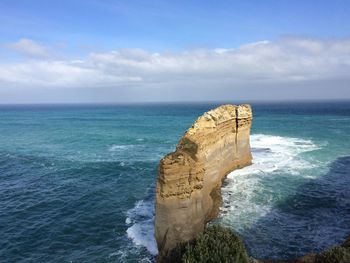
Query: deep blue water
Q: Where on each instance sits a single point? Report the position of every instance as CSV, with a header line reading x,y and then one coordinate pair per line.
x,y
77,182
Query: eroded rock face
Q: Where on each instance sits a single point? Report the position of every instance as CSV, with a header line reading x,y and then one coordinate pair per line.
x,y
189,179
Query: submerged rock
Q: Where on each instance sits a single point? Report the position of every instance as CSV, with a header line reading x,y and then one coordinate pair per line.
x,y
189,180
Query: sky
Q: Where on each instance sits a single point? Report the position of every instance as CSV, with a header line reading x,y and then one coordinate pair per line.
x,y
105,51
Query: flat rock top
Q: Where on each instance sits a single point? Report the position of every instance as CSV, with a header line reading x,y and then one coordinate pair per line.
x,y
226,112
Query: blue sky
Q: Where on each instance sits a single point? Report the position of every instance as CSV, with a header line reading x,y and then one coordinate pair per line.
x,y
33,33
162,25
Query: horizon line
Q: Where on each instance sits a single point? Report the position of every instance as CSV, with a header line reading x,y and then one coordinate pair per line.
x,y
240,101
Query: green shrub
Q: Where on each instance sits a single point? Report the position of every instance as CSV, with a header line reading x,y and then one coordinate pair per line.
x,y
215,245
334,255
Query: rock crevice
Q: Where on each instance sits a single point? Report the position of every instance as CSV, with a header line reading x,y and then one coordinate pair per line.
x,y
189,180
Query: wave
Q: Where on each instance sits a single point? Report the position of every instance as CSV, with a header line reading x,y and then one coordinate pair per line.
x,y
117,147
245,197
141,231
270,154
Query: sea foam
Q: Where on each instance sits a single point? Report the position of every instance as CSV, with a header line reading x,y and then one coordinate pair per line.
x,y
141,231
245,199
117,147
270,154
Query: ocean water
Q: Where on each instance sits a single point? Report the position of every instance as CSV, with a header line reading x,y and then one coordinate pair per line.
x,y
77,182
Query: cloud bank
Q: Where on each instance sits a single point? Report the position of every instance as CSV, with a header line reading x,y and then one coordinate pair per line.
x,y
30,48
289,60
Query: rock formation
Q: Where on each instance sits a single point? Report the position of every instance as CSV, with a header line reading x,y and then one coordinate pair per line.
x,y
189,179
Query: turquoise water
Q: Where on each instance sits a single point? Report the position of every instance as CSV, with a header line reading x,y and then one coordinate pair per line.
x,y
77,182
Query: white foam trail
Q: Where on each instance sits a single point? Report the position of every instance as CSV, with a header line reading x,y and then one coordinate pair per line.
x,y
141,232
272,155
117,147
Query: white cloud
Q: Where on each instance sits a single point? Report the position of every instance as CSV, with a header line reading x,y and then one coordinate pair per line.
x,y
286,60
30,47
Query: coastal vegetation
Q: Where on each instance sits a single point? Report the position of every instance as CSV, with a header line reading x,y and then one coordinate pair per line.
x,y
216,244
338,254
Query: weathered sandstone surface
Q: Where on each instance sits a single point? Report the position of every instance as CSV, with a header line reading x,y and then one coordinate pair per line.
x,y
189,179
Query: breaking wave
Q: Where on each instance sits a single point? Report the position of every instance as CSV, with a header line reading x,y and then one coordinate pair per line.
x,y
240,207
272,156
141,230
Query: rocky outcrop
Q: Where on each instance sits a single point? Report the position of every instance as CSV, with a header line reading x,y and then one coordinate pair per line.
x,y
189,179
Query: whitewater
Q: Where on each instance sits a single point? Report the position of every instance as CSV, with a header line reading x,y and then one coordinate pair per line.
x,y
245,199
81,179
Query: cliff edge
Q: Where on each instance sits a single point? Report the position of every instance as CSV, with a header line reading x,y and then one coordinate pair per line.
x,y
188,191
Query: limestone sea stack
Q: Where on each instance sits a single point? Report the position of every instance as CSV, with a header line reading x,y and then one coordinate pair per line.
x,y
188,193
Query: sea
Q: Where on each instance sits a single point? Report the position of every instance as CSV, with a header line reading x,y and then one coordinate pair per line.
x,y
77,182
